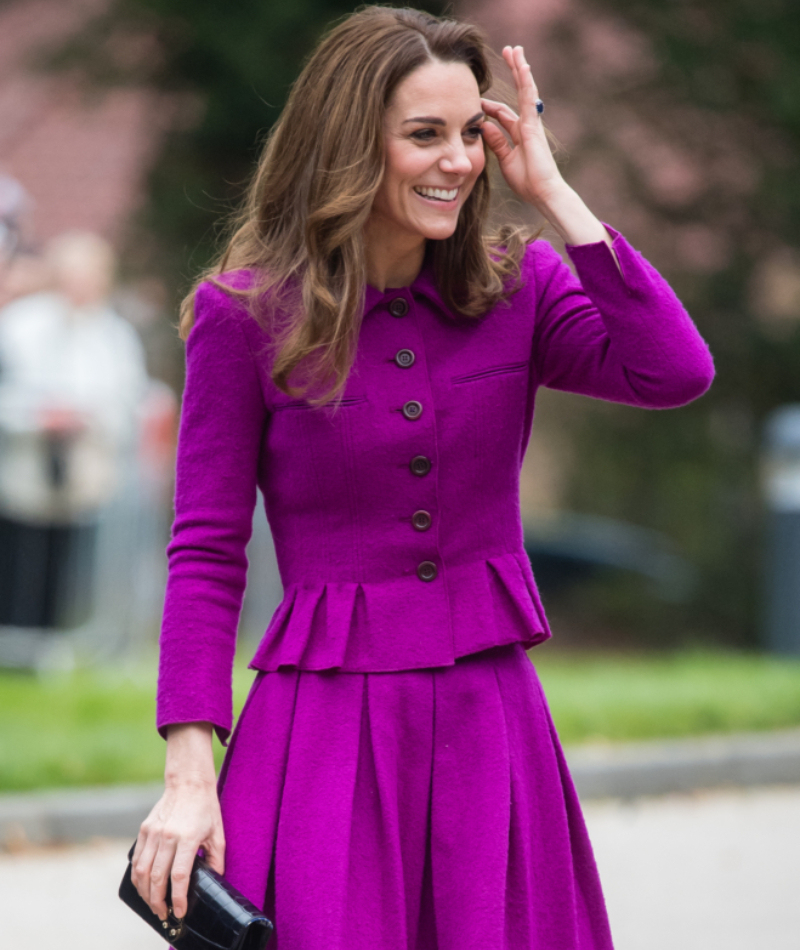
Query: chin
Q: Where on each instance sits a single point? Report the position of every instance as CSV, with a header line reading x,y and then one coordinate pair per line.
x,y
439,232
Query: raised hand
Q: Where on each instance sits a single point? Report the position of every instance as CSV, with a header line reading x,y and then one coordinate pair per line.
x,y
526,161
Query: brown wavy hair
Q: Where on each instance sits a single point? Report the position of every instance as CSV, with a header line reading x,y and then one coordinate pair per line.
x,y
300,228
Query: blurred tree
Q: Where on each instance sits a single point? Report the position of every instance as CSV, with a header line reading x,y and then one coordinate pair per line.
x,y
699,139
227,69
707,134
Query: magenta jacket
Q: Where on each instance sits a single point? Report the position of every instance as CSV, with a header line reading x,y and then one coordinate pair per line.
x,y
396,519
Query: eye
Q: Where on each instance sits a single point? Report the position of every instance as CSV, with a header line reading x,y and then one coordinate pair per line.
x,y
424,135
474,131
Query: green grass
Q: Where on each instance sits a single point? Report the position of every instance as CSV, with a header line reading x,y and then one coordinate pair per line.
x,y
90,727
95,727
617,698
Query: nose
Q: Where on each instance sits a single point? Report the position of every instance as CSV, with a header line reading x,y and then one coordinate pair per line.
x,y
456,161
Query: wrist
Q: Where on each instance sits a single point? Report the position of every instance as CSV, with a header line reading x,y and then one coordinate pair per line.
x,y
556,201
190,755
568,214
201,778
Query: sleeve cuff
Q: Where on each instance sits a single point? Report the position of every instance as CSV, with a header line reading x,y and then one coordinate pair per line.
x,y
612,233
223,731
598,270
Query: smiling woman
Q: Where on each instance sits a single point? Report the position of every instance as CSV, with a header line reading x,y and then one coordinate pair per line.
x,y
330,206
394,780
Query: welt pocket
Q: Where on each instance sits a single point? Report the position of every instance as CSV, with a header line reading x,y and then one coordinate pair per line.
x,y
505,369
301,404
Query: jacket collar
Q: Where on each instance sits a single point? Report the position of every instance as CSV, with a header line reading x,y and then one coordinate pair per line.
x,y
424,286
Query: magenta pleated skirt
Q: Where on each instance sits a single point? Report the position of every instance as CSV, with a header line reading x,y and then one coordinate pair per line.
x,y
415,810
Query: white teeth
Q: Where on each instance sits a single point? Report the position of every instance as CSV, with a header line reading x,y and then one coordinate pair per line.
x,y
439,193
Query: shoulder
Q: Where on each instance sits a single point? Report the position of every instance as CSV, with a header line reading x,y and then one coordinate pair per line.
x,y
223,309
540,259
221,295
538,264
226,331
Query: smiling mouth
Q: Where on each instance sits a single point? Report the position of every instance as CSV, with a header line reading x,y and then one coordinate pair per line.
x,y
437,194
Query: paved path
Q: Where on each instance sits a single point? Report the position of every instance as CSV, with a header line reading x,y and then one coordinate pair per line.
x,y
685,872
702,871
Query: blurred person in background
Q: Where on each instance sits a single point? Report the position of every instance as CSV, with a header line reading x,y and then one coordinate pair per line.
x,y
72,378
21,270
13,200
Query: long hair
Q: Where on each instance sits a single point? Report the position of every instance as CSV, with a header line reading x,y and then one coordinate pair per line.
x,y
300,228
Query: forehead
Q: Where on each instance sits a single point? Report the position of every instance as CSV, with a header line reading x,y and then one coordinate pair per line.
x,y
435,88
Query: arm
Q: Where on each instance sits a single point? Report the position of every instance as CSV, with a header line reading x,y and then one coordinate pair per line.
x,y
219,442
615,332
618,331
222,423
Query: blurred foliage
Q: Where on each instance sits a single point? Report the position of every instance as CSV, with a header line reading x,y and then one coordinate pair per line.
x,y
694,472
226,70
97,726
607,697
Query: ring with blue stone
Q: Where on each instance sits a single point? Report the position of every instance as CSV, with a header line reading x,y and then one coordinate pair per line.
x,y
539,106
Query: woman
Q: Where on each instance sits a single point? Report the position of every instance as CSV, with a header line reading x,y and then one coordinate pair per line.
x,y
394,780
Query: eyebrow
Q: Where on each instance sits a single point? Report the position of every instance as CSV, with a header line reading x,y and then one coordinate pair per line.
x,y
435,120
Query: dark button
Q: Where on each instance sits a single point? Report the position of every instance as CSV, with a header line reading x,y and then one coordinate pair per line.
x,y
398,307
412,409
404,358
420,465
421,520
427,570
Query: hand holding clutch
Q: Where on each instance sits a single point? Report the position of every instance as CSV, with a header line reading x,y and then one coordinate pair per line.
x,y
218,916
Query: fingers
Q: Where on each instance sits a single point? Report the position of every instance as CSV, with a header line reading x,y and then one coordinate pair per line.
x,y
496,141
526,91
143,870
215,854
182,870
503,114
187,816
523,79
159,876
179,878
163,857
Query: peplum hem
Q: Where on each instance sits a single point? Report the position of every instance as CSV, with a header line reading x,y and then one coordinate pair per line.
x,y
405,623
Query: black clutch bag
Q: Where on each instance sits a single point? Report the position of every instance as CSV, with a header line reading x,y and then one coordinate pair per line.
x,y
218,916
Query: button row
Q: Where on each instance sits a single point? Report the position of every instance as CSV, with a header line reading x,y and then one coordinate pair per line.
x,y
420,465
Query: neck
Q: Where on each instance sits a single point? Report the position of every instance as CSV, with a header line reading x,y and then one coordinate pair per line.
x,y
392,260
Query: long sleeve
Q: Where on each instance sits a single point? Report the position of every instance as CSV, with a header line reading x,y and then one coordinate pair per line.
x,y
623,337
222,422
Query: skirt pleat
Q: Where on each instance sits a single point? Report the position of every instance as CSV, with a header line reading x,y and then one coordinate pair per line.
x,y
414,810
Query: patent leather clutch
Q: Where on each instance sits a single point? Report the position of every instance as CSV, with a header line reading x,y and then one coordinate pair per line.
x,y
218,916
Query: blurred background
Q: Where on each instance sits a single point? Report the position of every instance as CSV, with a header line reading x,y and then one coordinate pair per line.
x,y
666,544
128,128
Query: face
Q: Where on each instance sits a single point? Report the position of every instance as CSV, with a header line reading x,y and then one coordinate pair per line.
x,y
434,153
84,274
